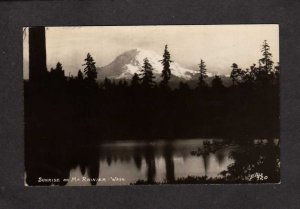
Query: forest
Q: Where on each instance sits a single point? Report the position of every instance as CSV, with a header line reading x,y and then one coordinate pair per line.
x,y
140,108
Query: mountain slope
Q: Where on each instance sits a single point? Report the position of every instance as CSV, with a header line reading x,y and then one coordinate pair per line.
x,y
130,62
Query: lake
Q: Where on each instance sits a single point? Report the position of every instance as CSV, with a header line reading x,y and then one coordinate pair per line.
x,y
125,162
149,162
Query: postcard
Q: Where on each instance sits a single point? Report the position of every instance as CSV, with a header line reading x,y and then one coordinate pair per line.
x,y
136,105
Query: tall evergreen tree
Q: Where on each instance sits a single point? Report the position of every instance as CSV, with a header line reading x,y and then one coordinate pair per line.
x,y
147,75
90,68
166,62
263,73
266,62
202,74
236,74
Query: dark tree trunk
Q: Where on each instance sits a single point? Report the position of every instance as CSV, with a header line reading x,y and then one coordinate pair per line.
x,y
37,53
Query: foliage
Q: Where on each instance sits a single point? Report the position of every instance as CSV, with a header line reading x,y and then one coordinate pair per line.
x,y
236,74
217,82
166,72
90,68
202,74
135,81
80,75
147,77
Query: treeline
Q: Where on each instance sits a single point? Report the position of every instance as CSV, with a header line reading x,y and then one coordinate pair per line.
x,y
265,74
141,108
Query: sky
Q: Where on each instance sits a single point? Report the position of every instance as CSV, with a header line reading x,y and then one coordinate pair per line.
x,y
218,45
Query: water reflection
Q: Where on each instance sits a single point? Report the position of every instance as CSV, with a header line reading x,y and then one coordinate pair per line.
x,y
168,156
144,162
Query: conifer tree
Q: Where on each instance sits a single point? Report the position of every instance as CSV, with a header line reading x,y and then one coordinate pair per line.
x,y
58,66
202,74
107,84
147,75
266,62
57,74
90,68
166,62
217,82
248,75
236,74
135,82
264,72
122,84
79,75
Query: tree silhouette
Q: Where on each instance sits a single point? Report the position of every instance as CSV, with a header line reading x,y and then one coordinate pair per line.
x,y
217,82
79,75
202,74
147,75
107,84
135,82
264,73
37,54
57,76
248,76
122,84
90,68
166,72
266,62
183,87
236,74
58,70
170,169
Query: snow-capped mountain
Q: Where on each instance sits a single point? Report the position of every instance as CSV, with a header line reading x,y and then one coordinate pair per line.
x,y
130,62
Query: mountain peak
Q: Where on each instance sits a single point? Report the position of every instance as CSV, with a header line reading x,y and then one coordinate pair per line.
x,y
131,61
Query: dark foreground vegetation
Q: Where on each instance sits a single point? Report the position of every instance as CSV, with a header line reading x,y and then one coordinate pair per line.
x,y
140,108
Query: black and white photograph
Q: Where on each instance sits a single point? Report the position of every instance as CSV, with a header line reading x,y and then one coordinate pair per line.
x,y
151,105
